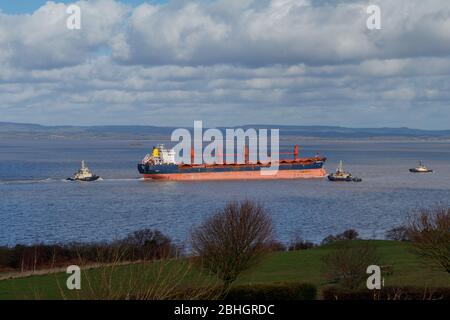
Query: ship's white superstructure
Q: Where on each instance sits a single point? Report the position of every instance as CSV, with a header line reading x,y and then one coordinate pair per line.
x,y
167,155
160,155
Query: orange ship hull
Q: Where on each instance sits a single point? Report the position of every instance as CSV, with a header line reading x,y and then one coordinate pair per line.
x,y
244,175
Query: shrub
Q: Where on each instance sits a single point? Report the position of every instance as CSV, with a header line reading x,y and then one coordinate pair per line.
x,y
300,244
147,244
349,234
276,246
233,240
5,258
387,293
276,291
398,234
329,239
347,263
429,231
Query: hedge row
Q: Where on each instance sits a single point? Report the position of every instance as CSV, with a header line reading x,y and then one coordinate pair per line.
x,y
387,293
276,291
260,292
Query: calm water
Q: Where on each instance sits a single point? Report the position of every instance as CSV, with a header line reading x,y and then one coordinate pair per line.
x,y
37,205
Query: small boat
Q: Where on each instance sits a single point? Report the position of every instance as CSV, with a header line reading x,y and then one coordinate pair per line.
x,y
341,175
83,174
421,169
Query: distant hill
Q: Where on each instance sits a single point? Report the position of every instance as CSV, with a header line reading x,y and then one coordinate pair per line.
x,y
17,130
20,130
343,132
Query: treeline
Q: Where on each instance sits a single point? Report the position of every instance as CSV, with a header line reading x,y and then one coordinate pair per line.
x,y
140,245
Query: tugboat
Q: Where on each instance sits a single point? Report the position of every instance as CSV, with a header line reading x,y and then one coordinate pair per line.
x,y
83,174
421,169
341,175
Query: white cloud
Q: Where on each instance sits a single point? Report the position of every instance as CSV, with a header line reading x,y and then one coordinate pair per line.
x,y
228,62
42,40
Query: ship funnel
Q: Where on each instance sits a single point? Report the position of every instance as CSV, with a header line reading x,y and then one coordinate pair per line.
x,y
246,154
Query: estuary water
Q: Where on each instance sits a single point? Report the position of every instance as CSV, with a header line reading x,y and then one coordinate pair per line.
x,y
38,205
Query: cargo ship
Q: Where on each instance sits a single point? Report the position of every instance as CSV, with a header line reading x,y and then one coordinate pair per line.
x,y
161,165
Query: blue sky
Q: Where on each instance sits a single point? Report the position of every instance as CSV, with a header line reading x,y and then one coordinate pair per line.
x,y
29,6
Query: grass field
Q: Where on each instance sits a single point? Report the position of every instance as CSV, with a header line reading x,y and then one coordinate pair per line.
x,y
299,266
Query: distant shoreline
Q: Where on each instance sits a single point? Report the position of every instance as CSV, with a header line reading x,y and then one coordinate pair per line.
x,y
287,132
137,141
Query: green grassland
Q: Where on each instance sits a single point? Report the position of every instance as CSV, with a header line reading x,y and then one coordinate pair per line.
x,y
299,266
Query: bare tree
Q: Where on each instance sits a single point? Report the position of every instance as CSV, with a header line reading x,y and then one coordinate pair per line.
x,y
233,240
348,261
429,230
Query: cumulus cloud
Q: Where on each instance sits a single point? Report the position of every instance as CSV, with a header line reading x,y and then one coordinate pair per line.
x,y
41,39
229,62
285,31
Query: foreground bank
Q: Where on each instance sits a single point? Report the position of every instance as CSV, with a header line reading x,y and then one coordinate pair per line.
x,y
288,268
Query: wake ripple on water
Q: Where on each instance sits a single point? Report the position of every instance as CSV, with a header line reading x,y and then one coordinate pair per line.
x,y
29,181
49,180
122,179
